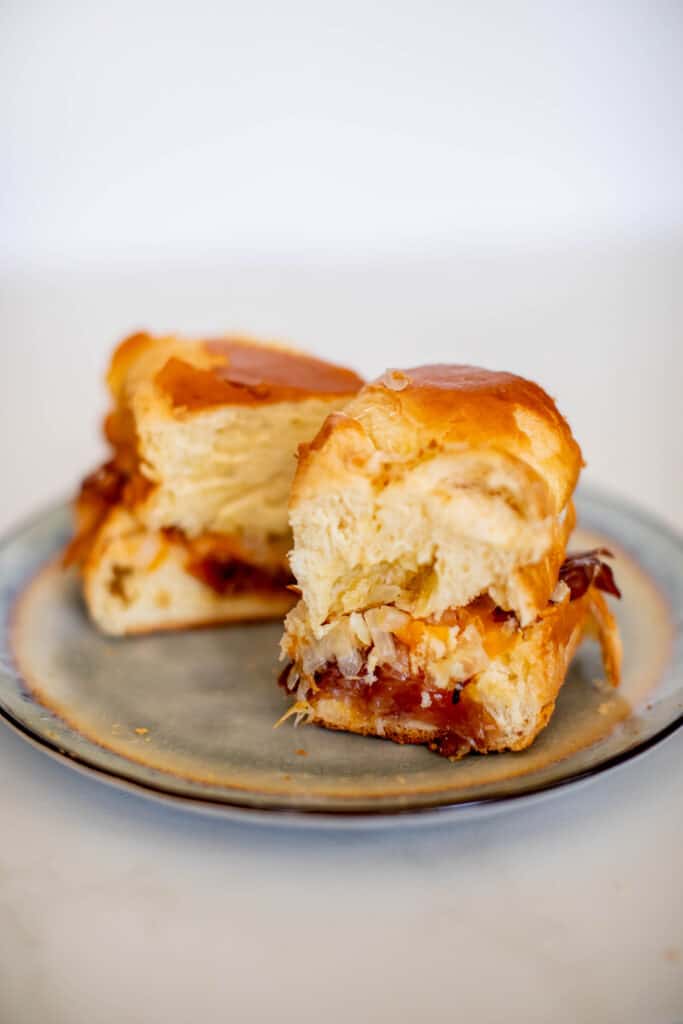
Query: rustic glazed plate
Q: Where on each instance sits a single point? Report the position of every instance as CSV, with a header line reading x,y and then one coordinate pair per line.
x,y
188,717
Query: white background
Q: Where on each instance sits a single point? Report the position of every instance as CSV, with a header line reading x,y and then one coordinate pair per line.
x,y
161,126
387,184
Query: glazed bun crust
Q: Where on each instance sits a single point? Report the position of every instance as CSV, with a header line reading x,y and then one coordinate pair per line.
x,y
403,412
233,370
477,407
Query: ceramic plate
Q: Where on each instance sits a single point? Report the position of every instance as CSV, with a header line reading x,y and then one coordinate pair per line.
x,y
189,716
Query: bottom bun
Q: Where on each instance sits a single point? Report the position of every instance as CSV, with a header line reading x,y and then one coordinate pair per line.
x,y
135,581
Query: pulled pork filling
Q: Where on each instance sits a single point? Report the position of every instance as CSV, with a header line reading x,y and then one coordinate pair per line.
x,y
234,577
391,665
458,722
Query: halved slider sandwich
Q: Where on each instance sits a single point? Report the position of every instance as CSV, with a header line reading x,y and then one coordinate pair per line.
x,y
186,524
438,604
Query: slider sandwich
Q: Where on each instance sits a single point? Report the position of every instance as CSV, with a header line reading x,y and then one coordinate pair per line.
x,y
438,606
186,524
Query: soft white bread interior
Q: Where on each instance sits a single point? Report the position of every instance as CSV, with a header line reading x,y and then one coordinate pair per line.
x,y
214,428
434,486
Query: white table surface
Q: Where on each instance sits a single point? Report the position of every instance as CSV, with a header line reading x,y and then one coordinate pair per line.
x,y
115,909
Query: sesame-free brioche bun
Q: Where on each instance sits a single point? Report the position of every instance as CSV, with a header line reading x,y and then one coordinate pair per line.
x,y
435,485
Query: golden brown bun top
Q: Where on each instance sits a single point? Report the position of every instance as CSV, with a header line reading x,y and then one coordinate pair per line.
x,y
408,413
228,371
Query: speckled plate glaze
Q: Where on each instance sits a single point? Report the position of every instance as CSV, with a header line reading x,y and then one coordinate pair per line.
x,y
188,717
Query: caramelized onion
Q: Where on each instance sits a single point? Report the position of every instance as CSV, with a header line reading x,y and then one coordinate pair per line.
x,y
586,569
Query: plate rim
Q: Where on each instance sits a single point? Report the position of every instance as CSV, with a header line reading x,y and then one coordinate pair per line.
x,y
438,811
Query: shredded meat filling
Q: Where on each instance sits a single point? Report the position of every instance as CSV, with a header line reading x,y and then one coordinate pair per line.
x,y
458,723
392,696
235,577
